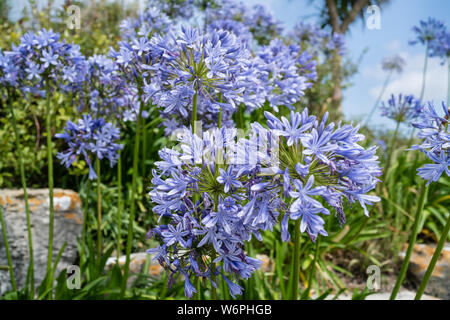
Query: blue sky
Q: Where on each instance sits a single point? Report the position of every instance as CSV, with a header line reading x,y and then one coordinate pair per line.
x,y
397,19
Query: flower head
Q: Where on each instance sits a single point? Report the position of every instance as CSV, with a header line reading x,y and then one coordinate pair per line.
x,y
89,138
403,108
434,129
394,63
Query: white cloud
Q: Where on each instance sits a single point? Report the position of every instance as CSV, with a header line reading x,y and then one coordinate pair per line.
x,y
410,81
394,45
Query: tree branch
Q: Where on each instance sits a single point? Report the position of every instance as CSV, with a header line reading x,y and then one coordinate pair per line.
x,y
334,15
356,8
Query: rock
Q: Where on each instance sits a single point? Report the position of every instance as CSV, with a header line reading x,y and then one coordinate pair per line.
x,y
137,262
68,226
439,283
267,264
402,295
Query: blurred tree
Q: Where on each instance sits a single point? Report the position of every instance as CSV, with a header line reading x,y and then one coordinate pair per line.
x,y
340,14
4,11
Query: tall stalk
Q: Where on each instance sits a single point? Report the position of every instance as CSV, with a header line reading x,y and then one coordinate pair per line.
x,y
313,267
99,211
144,147
25,193
383,89
50,187
296,261
8,253
444,235
133,194
448,82
119,205
424,76
434,259
194,111
391,148
412,240
85,219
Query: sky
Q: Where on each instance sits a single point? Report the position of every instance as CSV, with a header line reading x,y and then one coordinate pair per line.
x,y
397,20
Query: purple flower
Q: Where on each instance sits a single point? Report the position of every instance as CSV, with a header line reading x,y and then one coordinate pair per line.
x,y
89,138
229,179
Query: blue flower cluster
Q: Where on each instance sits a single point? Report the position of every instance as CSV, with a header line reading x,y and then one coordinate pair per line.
x,y
41,57
199,232
146,24
436,36
104,91
283,68
214,67
316,40
394,63
295,168
435,132
428,31
90,138
250,24
402,108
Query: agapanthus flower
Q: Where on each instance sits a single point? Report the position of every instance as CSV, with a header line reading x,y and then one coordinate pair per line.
x,y
179,9
90,139
403,108
263,25
215,68
434,129
215,192
149,22
104,92
199,232
316,40
138,66
394,63
428,31
283,81
41,57
256,23
440,47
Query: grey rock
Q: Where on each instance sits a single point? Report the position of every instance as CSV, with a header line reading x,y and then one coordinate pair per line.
x,y
439,283
402,295
68,226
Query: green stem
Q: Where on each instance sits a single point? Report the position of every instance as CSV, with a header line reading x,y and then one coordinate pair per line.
x,y
119,205
412,240
434,260
448,82
99,212
241,116
8,254
219,122
85,219
25,195
194,112
133,193
425,65
379,98
313,267
391,148
50,188
144,146
296,261
213,278
213,264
